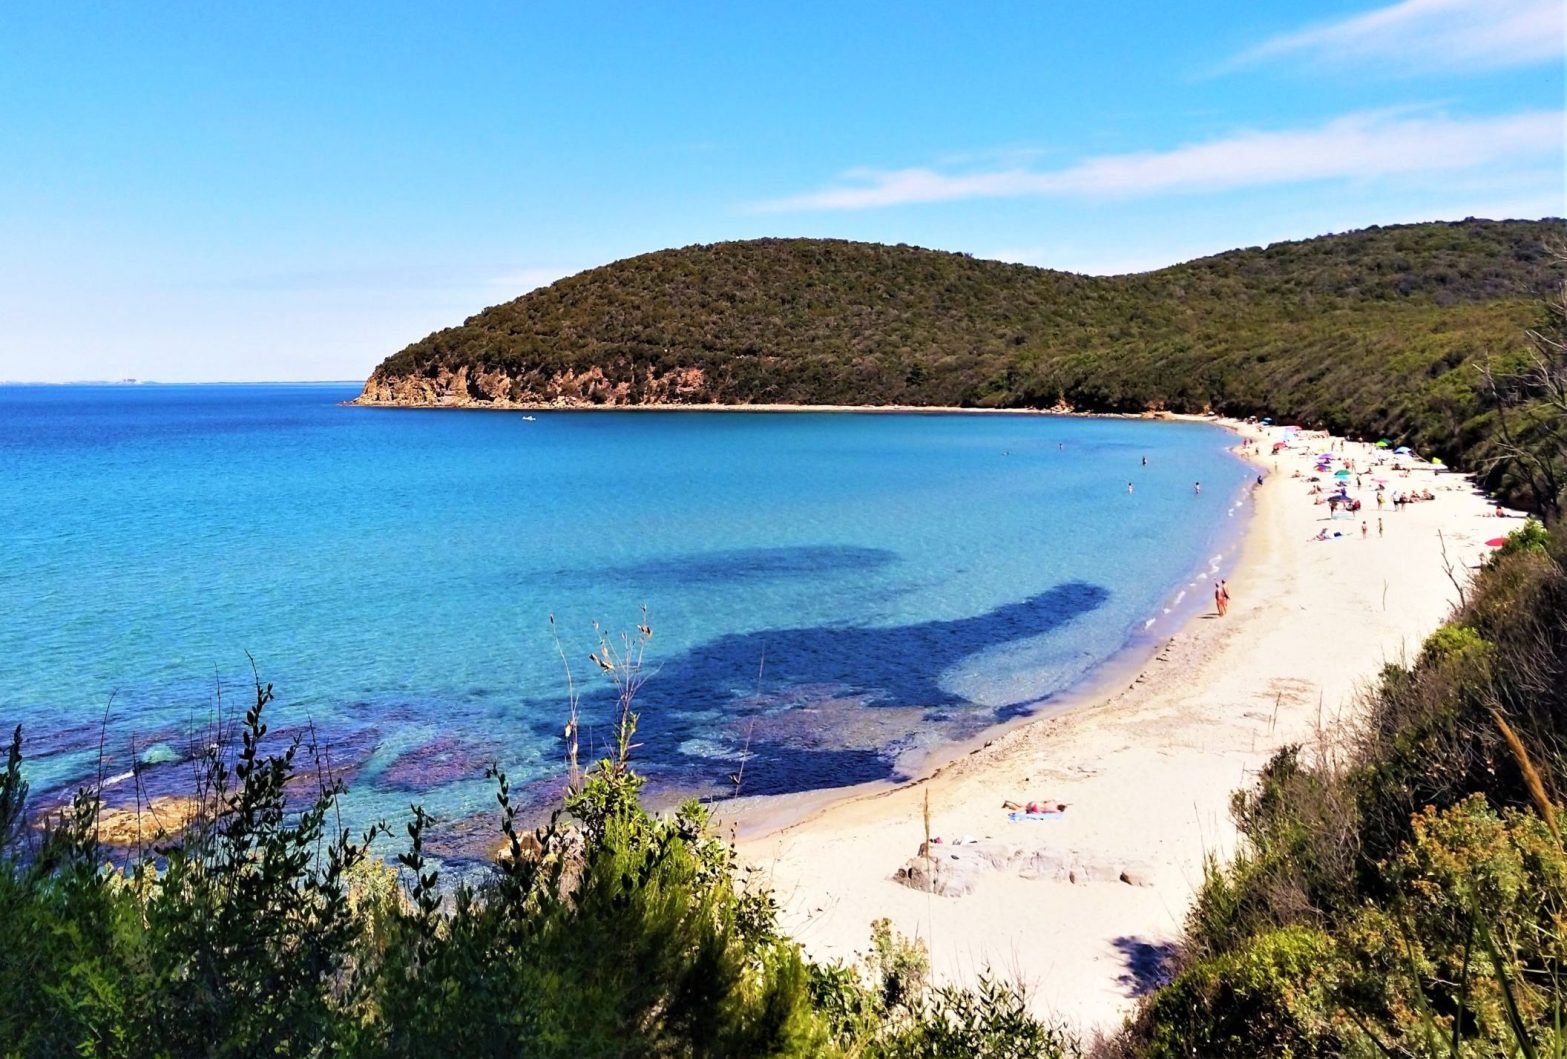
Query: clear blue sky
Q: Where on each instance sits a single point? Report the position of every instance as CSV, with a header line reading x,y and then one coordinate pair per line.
x,y
292,191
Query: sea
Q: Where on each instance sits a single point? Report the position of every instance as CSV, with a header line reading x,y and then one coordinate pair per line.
x,y
816,599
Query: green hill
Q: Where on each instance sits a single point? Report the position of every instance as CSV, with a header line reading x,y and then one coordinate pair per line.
x,y
1375,331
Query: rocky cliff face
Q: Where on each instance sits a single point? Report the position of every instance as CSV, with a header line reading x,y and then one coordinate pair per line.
x,y
480,388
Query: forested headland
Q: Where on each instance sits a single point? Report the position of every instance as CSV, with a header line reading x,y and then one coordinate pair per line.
x,y
1383,332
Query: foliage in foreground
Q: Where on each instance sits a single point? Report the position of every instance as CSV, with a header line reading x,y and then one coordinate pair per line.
x,y
257,929
1409,896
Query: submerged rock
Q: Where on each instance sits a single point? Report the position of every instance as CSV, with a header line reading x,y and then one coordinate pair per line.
x,y
153,821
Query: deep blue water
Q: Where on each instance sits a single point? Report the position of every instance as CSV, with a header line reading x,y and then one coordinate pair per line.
x,y
825,590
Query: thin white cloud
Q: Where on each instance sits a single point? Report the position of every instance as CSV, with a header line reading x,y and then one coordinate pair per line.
x,y
1362,146
1431,35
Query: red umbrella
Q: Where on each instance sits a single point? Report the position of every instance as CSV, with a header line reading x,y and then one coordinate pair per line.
x,y
1496,542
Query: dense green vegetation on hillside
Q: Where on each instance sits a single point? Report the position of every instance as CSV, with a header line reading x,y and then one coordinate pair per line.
x,y
1376,331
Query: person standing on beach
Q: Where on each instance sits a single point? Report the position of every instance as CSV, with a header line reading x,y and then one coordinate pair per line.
x,y
1221,598
1379,527
1365,530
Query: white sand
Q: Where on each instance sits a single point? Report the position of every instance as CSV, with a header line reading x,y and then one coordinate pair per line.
x,y
1147,770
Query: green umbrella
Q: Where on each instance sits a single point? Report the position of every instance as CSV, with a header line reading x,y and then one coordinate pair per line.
x,y
1384,444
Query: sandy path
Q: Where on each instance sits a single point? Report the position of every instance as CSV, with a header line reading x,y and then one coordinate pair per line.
x,y
1148,769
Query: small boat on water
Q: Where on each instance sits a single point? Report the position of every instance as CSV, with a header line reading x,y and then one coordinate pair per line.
x,y
529,419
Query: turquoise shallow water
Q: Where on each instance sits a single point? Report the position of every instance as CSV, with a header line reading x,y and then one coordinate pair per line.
x,y
826,590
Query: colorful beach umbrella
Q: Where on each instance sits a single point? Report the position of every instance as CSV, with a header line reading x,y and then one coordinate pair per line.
x,y
1496,542
1437,462
1341,474
1384,444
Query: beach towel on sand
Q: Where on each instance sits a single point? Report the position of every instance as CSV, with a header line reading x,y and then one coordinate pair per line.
x,y
1035,816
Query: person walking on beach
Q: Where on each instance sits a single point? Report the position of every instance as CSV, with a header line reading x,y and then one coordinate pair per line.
x,y
1221,598
1379,527
1365,530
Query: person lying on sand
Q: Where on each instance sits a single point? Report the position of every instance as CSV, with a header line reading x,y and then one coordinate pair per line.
x,y
1035,807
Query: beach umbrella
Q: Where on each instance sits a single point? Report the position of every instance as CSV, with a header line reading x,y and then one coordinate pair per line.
x,y
1402,450
1384,444
1267,422
1496,542
1437,462
1341,474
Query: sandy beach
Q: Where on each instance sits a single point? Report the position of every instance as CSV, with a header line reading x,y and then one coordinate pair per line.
x,y
1080,906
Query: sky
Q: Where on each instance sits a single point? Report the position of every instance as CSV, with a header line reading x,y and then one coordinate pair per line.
x,y
196,192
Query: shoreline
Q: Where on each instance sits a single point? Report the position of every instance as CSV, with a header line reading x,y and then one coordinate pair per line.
x,y
838,409
1146,765
754,817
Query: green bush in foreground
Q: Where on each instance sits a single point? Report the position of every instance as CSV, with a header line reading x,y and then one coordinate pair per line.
x,y
1467,956
1270,996
256,931
1473,944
